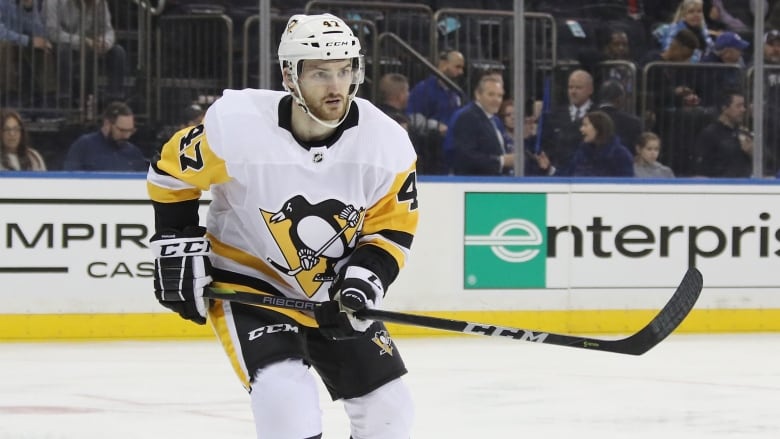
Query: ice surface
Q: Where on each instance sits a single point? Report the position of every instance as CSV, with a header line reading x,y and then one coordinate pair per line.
x,y
689,386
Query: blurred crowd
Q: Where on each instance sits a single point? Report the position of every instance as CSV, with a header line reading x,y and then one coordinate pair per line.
x,y
652,89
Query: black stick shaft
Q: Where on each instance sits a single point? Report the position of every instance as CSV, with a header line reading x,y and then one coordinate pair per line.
x,y
666,321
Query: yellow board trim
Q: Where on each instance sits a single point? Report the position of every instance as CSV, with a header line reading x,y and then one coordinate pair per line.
x,y
48,327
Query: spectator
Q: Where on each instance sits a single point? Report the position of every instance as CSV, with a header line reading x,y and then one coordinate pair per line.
x,y
599,155
393,97
723,148
108,148
673,104
728,49
15,151
23,46
506,122
448,145
772,47
680,49
561,128
192,115
478,145
772,97
430,107
64,20
613,47
617,46
689,15
646,164
669,87
431,102
612,99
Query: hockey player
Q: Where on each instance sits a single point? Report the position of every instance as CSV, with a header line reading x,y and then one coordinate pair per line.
x,y
313,197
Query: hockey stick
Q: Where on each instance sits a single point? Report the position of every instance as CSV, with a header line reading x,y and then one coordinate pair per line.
x,y
666,321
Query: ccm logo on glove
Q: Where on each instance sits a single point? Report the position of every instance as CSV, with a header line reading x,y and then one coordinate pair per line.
x,y
185,248
181,270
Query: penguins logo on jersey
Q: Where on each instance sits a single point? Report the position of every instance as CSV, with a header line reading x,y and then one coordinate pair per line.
x,y
312,238
385,343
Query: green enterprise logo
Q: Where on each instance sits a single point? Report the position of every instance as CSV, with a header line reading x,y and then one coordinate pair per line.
x,y
506,240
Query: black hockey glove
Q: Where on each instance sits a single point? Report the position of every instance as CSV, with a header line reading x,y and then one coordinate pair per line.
x,y
359,288
181,270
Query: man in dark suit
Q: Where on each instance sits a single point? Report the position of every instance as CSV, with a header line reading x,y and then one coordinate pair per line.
x,y
612,98
561,128
478,145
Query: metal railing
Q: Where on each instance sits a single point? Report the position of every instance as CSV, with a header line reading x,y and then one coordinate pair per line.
x,y
194,62
484,37
70,82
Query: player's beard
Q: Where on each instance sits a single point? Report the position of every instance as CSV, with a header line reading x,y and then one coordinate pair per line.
x,y
322,110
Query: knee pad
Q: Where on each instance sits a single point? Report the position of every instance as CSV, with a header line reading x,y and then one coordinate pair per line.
x,y
385,413
285,402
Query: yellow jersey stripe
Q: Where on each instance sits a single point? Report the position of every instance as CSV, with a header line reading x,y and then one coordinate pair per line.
x,y
166,195
221,327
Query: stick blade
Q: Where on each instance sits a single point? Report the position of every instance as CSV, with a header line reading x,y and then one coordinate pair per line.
x,y
668,319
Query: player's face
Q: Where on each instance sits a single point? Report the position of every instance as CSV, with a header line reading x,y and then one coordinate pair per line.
x,y
325,87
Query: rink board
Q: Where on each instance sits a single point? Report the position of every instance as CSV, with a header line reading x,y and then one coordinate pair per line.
x,y
580,256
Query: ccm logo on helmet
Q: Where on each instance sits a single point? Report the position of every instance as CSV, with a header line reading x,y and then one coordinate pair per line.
x,y
337,43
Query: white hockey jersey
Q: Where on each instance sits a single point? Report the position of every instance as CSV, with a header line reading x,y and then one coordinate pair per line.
x,y
290,214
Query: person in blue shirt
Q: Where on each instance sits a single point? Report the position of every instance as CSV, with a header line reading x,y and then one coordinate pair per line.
x,y
430,108
430,101
23,44
108,148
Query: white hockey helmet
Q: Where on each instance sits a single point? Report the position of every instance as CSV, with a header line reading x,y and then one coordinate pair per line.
x,y
323,36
